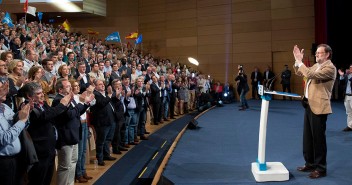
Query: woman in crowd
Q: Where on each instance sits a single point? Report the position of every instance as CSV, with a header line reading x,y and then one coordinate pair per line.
x,y
63,71
35,74
16,75
183,96
134,76
81,174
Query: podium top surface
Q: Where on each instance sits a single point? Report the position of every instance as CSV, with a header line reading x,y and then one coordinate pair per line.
x,y
283,94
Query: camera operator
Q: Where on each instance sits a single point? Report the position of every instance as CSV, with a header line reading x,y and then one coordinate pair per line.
x,y
242,87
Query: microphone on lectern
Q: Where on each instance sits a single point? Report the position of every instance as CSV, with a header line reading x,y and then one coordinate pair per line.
x,y
271,80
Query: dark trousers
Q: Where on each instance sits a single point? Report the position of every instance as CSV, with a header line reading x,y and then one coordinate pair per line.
x,y
156,112
172,107
103,140
10,173
42,172
117,141
255,91
141,122
314,140
288,88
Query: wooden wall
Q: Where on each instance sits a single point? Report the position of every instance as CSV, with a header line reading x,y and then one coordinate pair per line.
x,y
225,33
219,33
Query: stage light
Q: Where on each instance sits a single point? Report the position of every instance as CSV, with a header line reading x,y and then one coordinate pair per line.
x,y
193,61
220,103
225,94
66,6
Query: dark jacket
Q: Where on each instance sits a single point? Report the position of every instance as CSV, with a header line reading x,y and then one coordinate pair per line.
x,y
68,124
102,112
141,99
154,94
286,77
83,86
41,128
259,78
10,97
242,85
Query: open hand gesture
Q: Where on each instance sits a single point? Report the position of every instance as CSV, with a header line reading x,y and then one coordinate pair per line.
x,y
298,54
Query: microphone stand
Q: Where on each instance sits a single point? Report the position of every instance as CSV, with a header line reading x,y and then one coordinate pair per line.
x,y
271,80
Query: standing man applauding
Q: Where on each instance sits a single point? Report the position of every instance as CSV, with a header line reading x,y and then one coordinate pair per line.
x,y
348,96
317,93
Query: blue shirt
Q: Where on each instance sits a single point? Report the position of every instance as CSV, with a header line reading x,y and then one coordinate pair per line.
x,y
348,85
9,142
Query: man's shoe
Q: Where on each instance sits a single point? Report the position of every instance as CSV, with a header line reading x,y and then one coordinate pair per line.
x,y
87,177
305,168
347,129
136,140
116,152
166,119
146,132
109,158
81,179
242,109
123,149
317,174
126,145
101,163
133,143
143,138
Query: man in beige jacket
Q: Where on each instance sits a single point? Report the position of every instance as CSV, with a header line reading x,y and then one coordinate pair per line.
x,y
317,92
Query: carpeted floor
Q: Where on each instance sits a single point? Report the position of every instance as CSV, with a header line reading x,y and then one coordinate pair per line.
x,y
139,165
222,149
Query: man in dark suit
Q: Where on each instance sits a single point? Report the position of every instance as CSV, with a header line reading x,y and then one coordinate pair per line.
x,y
104,122
144,65
155,97
125,68
320,81
68,127
42,132
120,111
268,77
256,77
85,59
82,77
115,74
148,76
173,94
140,95
286,81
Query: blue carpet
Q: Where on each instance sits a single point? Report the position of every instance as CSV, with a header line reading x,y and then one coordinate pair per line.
x,y
222,150
127,170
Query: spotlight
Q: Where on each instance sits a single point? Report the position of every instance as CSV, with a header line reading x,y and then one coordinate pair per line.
x,y
225,94
220,103
193,61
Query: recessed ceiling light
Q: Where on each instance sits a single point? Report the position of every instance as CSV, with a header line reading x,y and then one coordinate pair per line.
x,y
59,16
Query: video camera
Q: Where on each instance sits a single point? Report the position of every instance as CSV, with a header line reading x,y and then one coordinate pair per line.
x,y
240,69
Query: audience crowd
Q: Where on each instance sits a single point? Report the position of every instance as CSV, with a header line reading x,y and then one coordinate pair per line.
x,y
72,84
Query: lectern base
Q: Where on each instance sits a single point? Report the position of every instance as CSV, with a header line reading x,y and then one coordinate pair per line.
x,y
276,171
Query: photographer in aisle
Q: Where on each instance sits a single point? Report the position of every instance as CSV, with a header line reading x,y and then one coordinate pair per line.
x,y
242,87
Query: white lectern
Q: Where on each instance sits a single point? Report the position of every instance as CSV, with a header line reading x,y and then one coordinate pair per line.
x,y
268,171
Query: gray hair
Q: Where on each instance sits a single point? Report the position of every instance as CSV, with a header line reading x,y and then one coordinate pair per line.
x,y
29,89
